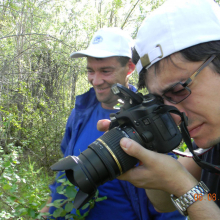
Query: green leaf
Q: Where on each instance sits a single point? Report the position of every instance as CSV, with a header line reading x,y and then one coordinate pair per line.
x,y
85,206
57,212
63,213
6,187
7,164
50,204
86,214
42,214
61,180
71,191
60,189
58,203
31,199
69,207
101,199
78,212
34,205
22,211
97,193
31,213
12,198
69,216
61,176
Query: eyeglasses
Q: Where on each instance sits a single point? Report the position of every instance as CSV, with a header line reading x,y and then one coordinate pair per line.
x,y
180,91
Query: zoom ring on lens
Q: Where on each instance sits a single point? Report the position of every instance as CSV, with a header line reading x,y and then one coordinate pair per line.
x,y
112,140
103,157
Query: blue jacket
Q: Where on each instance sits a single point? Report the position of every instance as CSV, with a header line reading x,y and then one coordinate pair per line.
x,y
84,107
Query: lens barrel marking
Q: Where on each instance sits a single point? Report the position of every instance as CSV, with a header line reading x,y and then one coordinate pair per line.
x,y
111,152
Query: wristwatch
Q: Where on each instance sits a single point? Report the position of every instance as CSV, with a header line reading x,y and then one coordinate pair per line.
x,y
184,201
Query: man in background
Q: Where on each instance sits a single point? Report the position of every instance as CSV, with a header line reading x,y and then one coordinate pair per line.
x,y
108,62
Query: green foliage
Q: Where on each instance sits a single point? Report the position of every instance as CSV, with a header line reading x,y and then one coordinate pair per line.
x,y
38,86
35,123
23,188
183,146
65,206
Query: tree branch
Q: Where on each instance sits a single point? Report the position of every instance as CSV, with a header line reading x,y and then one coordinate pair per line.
x,y
47,35
129,14
21,12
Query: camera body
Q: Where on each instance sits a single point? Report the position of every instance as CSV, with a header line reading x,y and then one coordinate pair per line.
x,y
157,131
143,118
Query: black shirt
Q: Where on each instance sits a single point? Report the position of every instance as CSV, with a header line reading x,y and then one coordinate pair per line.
x,y
210,179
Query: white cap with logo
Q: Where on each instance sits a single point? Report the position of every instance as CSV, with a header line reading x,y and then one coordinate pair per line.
x,y
174,26
107,42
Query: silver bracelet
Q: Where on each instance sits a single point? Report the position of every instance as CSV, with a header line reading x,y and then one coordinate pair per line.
x,y
186,200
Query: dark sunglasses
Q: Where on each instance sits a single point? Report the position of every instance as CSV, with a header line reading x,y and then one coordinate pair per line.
x,y
180,91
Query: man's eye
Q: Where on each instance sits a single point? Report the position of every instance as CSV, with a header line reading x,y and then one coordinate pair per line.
x,y
179,92
90,71
106,71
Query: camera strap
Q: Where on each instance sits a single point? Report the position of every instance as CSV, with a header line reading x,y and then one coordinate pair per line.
x,y
186,137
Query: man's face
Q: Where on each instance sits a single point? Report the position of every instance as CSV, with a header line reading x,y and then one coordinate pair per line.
x,y
202,107
102,74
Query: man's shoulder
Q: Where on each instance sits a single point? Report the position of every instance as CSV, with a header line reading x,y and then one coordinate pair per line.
x,y
86,99
89,94
83,104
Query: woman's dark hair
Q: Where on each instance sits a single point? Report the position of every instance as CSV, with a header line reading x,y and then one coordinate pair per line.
x,y
199,52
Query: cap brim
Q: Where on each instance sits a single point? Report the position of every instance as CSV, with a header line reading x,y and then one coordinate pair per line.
x,y
92,53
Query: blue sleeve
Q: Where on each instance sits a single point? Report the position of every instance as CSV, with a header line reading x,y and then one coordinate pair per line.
x,y
64,144
68,132
52,187
148,211
154,215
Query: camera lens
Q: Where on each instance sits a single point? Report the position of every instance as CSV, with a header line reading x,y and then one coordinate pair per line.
x,y
144,119
104,159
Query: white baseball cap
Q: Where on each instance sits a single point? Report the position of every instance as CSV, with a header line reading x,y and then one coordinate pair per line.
x,y
107,42
174,26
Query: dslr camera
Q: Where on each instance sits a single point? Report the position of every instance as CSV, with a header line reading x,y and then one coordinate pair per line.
x,y
143,118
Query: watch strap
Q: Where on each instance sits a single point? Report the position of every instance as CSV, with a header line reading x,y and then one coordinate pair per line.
x,y
186,200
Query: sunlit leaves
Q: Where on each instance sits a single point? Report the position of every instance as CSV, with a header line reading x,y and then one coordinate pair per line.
x,y
38,85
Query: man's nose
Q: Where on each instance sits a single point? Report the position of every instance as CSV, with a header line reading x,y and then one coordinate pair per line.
x,y
97,79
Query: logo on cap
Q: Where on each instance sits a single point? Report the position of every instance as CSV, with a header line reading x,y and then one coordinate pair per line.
x,y
97,39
